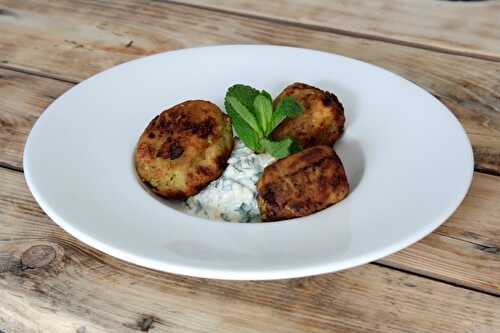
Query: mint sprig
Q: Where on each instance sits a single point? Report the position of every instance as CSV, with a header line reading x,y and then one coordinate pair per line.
x,y
254,119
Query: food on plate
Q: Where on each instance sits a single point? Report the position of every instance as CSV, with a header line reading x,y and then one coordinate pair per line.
x,y
184,148
322,121
254,118
186,152
233,196
301,184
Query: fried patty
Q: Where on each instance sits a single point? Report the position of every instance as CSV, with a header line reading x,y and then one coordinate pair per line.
x,y
184,148
322,122
301,184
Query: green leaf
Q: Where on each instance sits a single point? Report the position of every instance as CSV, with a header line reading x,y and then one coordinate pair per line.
x,y
244,132
245,114
295,147
268,95
287,107
263,111
244,94
282,148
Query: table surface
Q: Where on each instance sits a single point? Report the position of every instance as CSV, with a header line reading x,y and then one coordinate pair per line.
x,y
447,282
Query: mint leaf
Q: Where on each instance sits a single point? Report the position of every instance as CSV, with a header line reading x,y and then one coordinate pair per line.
x,y
295,147
268,95
282,148
244,94
244,132
263,112
287,107
245,114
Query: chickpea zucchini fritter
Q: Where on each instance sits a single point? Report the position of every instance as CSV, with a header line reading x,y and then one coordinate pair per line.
x,y
301,184
184,148
322,122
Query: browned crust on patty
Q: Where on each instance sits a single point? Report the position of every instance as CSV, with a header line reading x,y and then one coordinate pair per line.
x,y
184,148
322,122
301,184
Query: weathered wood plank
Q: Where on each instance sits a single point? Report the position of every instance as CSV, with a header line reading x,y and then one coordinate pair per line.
x,y
23,97
451,260
477,220
470,237
43,38
471,28
83,289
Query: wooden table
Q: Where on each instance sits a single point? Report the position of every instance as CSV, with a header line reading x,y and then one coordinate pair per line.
x,y
448,282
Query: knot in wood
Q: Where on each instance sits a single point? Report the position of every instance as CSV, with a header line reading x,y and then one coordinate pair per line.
x,y
38,256
146,324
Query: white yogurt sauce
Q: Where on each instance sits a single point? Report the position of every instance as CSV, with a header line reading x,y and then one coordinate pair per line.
x,y
233,196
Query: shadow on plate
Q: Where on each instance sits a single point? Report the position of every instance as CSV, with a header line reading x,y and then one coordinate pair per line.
x,y
353,159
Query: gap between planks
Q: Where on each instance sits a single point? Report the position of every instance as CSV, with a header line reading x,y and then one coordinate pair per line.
x,y
382,263
56,77
353,34
12,168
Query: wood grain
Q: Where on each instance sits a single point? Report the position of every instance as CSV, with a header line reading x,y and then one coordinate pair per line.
x,y
451,260
51,282
471,28
42,38
477,220
23,97
29,95
470,237
83,290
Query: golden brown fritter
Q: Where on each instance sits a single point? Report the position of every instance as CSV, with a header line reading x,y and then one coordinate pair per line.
x,y
323,119
301,184
184,148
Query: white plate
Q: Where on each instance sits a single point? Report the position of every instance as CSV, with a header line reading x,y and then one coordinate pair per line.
x,y
408,160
